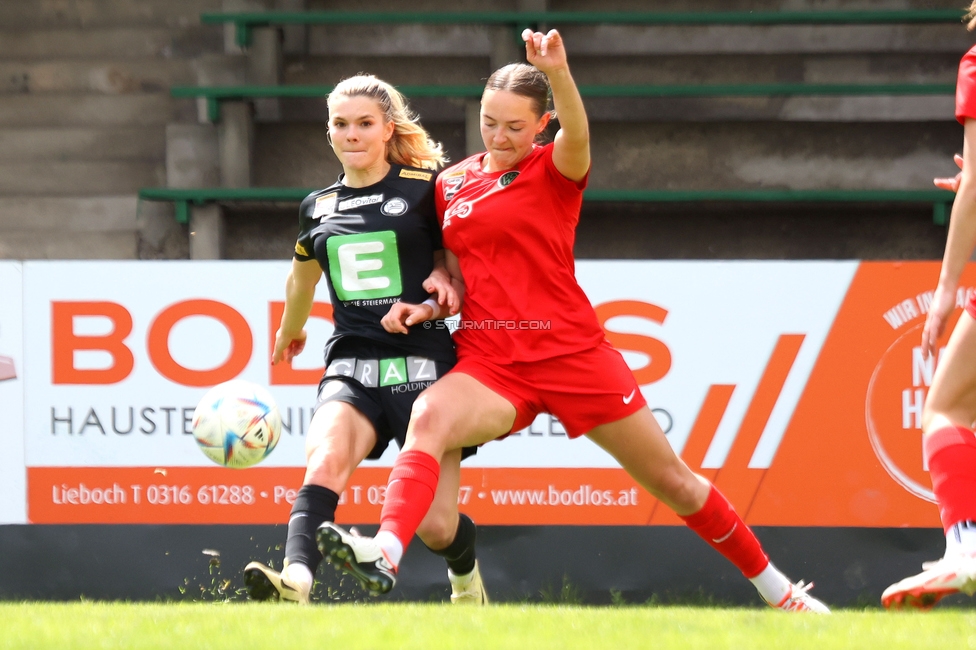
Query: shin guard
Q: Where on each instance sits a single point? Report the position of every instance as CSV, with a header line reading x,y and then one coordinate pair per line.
x,y
719,525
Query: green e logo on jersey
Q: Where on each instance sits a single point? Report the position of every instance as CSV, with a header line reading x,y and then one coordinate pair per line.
x,y
364,266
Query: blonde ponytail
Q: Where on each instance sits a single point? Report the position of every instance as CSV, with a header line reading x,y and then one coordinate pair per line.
x,y
970,17
410,145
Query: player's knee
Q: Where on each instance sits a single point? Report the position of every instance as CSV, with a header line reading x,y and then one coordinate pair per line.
x,y
940,411
323,464
427,419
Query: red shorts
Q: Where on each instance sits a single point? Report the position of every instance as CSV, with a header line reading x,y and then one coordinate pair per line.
x,y
971,303
584,389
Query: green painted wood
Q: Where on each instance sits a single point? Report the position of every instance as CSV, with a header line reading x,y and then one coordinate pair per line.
x,y
627,90
207,194
245,21
216,94
940,199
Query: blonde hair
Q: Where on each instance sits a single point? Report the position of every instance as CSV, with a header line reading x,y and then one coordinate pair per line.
x,y
970,17
410,145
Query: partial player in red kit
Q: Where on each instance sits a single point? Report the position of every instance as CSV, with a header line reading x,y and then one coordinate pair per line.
x,y
529,341
949,444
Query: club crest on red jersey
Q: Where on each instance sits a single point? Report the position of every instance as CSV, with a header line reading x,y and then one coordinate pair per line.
x,y
506,179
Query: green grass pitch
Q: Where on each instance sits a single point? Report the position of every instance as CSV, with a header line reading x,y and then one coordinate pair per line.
x,y
216,626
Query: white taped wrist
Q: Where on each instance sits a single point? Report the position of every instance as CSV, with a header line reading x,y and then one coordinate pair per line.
x,y
432,302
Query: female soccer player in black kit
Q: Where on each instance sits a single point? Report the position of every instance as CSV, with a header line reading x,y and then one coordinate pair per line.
x,y
374,237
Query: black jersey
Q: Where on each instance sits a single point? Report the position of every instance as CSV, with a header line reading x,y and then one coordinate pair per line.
x,y
376,246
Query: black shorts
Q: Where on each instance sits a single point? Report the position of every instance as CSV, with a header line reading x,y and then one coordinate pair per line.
x,y
381,385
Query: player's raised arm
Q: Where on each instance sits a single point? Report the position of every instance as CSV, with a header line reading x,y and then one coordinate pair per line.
x,y
959,248
571,150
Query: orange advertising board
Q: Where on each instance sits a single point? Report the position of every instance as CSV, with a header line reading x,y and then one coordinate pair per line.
x,y
796,387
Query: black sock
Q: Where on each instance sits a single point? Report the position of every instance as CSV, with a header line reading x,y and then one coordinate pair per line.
x,y
313,505
460,553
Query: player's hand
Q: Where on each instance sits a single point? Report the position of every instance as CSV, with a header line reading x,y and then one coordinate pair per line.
x,y
439,283
943,302
287,347
951,184
544,51
402,315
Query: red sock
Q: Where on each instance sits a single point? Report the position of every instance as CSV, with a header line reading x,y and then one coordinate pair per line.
x,y
719,525
409,493
951,452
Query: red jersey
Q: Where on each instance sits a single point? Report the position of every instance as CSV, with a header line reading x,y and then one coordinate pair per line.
x,y
966,87
513,233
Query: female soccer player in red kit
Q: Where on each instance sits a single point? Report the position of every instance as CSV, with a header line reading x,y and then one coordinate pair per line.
x,y
948,442
509,217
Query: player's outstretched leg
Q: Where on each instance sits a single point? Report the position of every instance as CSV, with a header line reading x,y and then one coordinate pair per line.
x,y
360,557
264,583
718,524
641,448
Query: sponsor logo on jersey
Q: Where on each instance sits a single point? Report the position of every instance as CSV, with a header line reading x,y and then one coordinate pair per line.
x,y
359,201
325,206
460,210
506,179
416,175
365,266
300,249
384,372
452,183
394,207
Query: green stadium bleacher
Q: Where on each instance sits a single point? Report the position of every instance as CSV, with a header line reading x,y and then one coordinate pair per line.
x,y
216,94
245,22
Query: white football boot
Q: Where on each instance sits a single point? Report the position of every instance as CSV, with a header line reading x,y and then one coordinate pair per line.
x,y
468,589
360,557
950,575
264,583
800,600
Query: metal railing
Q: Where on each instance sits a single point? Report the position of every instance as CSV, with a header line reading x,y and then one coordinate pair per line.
x,y
216,94
939,199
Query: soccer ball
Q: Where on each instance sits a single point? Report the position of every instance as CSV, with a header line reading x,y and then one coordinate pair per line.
x,y
237,424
